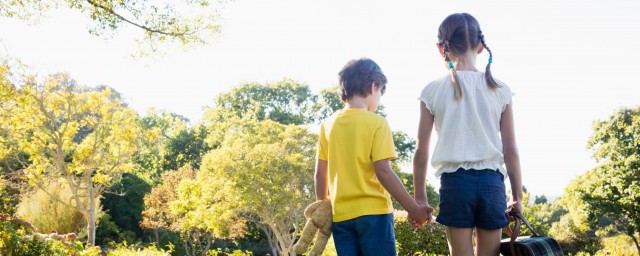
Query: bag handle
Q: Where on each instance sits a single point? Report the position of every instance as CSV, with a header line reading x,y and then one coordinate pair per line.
x,y
516,230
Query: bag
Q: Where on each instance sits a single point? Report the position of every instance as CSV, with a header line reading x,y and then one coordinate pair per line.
x,y
527,245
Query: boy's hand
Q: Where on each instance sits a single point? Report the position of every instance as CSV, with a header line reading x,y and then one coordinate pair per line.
x,y
422,216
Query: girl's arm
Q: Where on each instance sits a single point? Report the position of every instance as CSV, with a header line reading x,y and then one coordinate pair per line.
x,y
321,180
421,157
511,157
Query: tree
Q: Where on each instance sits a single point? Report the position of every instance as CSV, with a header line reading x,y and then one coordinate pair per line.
x,y
157,214
207,211
184,22
286,102
196,205
613,188
573,230
540,200
85,137
126,203
270,168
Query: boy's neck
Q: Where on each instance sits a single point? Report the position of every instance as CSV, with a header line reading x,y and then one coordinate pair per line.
x,y
357,102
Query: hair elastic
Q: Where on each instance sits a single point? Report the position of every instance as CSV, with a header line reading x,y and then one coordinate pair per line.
x,y
450,64
490,59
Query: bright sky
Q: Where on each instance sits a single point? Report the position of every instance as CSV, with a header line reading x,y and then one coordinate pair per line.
x,y
569,62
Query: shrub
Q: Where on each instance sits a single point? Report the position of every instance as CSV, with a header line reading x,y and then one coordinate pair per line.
x,y
124,250
14,242
429,240
617,245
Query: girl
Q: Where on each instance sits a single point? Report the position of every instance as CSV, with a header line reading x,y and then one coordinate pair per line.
x,y
473,116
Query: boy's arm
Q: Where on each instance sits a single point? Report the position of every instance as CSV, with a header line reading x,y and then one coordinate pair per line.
x,y
421,157
321,180
511,157
394,186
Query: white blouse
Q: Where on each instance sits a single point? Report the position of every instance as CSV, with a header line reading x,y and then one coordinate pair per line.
x,y
469,129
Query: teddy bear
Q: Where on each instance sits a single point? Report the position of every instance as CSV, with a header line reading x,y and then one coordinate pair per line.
x,y
319,218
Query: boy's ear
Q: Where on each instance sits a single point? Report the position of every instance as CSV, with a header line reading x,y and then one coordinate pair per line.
x,y
373,87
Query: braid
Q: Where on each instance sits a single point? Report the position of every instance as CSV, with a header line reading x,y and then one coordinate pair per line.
x,y
487,74
454,75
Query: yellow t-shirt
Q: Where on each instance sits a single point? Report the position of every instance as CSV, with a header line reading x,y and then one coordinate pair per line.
x,y
351,140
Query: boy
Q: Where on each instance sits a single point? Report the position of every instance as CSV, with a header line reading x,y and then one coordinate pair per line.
x,y
354,149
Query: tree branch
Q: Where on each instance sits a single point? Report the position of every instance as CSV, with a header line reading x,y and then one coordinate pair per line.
x,y
112,12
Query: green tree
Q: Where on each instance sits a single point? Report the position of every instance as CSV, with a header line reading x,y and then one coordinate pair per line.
x,y
207,210
540,200
184,22
85,137
285,101
159,128
126,203
270,168
573,231
613,188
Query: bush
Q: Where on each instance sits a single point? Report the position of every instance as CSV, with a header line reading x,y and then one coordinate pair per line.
x,y
124,250
617,245
429,240
14,242
49,215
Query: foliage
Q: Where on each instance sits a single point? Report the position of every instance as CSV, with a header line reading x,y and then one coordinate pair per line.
x,y
49,215
186,148
540,200
124,250
613,188
14,243
269,166
541,216
9,196
157,215
428,240
573,231
159,128
107,231
285,102
184,22
617,245
85,137
207,210
126,204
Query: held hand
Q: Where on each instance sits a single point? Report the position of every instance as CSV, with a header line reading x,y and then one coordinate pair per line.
x,y
422,216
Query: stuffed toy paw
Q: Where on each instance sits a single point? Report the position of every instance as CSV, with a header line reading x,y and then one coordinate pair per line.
x,y
319,219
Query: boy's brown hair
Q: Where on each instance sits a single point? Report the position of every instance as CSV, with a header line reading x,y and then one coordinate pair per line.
x,y
356,78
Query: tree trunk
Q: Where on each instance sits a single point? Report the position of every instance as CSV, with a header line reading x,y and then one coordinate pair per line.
x,y
91,222
155,232
635,240
206,248
273,244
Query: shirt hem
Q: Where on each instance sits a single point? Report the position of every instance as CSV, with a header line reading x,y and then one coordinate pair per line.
x,y
356,215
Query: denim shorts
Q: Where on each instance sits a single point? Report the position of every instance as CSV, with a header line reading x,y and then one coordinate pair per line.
x,y
365,235
473,198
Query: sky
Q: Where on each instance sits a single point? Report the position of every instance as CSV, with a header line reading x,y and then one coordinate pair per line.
x,y
570,63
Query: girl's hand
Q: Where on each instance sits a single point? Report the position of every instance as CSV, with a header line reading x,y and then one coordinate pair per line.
x,y
423,216
514,206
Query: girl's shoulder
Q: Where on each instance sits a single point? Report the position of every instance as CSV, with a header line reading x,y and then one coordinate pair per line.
x,y
444,80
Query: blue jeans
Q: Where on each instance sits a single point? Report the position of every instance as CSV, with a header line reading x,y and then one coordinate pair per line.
x,y
369,235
